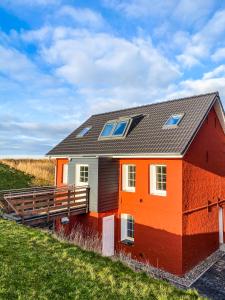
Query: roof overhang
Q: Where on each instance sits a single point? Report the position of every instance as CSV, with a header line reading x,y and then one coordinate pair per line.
x,y
220,113
121,155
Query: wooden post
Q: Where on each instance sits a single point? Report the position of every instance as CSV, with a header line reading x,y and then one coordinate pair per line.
x,y
22,210
87,199
48,210
34,202
68,201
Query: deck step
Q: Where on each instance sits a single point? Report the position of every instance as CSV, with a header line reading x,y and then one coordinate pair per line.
x,y
11,217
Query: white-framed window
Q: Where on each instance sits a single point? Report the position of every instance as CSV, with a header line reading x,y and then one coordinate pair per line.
x,y
65,174
158,180
127,227
82,174
129,178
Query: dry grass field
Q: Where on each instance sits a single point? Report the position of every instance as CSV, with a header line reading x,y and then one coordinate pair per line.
x,y
41,170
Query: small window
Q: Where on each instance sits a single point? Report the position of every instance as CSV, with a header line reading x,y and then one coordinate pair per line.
x,y
65,174
158,180
129,178
108,129
83,132
127,228
173,121
120,128
82,174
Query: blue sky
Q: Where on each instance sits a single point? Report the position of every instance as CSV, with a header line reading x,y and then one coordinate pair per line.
x,y
61,61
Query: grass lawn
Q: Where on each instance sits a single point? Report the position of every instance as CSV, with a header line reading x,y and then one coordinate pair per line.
x,y
34,265
13,179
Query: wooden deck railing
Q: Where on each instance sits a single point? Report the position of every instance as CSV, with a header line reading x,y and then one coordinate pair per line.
x,y
39,202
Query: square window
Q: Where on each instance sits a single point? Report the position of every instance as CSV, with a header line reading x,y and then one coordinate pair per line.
x,y
129,178
158,178
82,175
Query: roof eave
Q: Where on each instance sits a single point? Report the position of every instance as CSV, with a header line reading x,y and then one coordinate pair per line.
x,y
120,155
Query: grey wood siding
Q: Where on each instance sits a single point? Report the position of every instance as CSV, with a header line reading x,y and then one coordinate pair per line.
x,y
92,178
108,184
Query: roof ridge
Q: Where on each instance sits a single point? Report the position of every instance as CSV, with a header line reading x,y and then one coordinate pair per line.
x,y
157,103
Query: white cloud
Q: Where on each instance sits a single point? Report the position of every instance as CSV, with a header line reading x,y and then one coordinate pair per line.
x,y
102,61
107,72
202,86
185,11
209,82
40,99
83,17
141,8
190,12
216,73
219,55
15,65
203,43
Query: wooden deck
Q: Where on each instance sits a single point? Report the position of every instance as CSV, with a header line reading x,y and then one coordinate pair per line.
x,y
44,204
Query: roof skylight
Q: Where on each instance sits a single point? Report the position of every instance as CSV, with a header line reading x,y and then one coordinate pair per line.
x,y
84,131
120,128
114,129
173,121
108,129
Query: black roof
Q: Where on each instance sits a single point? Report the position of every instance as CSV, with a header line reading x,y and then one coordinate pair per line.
x,y
146,135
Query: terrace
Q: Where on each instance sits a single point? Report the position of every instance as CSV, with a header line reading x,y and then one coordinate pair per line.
x,y
38,205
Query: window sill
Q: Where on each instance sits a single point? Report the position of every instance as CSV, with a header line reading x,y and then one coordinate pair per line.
x,y
128,191
159,194
127,242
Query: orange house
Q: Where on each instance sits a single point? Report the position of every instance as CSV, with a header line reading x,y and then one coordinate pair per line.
x,y
157,179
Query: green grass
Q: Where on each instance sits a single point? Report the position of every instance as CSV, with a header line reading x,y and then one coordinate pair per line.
x,y
12,179
34,265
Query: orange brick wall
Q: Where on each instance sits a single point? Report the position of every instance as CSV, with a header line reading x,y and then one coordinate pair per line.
x,y
203,181
158,219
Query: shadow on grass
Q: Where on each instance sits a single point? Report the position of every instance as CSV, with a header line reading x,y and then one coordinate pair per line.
x,y
34,265
12,179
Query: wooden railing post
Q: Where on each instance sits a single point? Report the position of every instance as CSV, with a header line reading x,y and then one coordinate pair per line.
x,y
87,199
48,209
34,202
68,201
22,210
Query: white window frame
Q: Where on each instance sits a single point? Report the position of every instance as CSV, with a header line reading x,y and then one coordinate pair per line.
x,y
124,236
65,174
153,186
77,175
125,181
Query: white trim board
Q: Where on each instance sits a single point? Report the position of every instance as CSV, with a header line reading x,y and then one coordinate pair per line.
x,y
122,155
